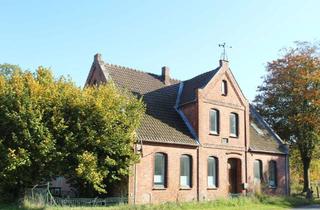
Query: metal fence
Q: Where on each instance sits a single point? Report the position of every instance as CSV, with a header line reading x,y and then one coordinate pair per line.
x,y
41,195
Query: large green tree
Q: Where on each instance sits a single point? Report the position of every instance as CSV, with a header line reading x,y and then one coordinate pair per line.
x,y
49,127
289,99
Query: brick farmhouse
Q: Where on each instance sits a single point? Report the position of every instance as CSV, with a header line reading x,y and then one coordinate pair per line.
x,y
200,139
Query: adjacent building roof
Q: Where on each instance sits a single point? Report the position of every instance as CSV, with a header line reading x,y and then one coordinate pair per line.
x,y
262,137
190,86
162,123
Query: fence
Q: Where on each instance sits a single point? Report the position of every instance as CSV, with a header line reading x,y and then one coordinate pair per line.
x,y
42,196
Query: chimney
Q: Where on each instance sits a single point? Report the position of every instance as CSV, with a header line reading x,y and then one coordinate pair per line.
x,y
223,63
166,75
97,58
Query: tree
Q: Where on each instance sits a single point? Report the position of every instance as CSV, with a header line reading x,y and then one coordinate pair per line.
x,y
49,127
296,169
6,69
289,99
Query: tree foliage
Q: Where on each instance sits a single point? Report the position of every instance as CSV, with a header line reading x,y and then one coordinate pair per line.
x,y
289,99
49,127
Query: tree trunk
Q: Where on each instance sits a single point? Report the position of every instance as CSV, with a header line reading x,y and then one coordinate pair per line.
x,y
306,175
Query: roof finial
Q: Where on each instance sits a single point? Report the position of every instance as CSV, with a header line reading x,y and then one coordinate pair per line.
x,y
224,55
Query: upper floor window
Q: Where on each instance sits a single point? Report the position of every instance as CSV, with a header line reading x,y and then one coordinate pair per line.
x,y
234,125
186,171
272,173
224,88
212,172
214,121
257,171
160,170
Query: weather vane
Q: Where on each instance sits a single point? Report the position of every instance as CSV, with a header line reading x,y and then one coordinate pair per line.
x,y
224,55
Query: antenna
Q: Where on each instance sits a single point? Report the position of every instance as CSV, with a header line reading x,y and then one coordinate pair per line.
x,y
224,55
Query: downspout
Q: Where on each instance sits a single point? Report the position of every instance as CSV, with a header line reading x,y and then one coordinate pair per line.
x,y
287,171
246,150
135,184
198,177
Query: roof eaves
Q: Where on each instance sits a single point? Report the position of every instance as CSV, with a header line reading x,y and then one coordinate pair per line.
x,y
266,151
169,142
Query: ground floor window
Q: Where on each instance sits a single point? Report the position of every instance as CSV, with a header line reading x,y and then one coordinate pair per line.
x,y
212,172
257,171
160,170
272,173
185,171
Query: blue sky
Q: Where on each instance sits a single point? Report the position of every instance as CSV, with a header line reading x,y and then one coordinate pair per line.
x,y
148,34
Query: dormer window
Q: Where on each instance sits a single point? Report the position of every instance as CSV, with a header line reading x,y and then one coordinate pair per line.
x,y
224,88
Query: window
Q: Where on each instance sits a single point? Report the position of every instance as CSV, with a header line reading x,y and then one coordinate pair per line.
x,y
185,171
234,121
272,173
214,121
224,88
257,171
212,172
160,170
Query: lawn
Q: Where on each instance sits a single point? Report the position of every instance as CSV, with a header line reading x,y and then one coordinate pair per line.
x,y
260,202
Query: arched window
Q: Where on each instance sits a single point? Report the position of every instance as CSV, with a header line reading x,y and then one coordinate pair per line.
x,y
234,124
212,172
160,170
272,173
224,88
257,171
185,171
214,121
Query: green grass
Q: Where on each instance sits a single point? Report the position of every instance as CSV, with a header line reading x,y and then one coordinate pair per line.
x,y
258,202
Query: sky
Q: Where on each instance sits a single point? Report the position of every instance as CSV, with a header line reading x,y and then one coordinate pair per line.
x,y
147,34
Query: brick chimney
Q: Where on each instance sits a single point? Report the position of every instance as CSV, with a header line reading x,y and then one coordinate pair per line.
x,y
223,63
166,75
97,57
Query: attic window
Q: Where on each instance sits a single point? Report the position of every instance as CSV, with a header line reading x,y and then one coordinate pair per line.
x,y
224,88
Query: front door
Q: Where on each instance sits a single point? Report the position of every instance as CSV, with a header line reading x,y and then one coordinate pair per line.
x,y
234,173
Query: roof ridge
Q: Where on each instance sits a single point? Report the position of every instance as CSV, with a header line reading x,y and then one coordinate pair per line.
x,y
136,70
202,74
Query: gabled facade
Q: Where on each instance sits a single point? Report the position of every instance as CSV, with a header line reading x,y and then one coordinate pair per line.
x,y
200,139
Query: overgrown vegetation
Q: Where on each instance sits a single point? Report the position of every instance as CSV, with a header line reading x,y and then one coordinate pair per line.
x,y
49,127
254,202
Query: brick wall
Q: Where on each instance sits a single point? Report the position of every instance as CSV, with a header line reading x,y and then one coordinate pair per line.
x,y
141,189
281,172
